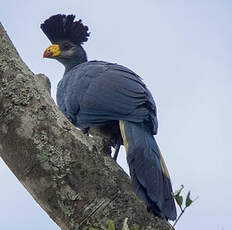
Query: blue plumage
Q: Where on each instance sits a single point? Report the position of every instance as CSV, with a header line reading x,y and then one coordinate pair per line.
x,y
150,178
102,94
95,93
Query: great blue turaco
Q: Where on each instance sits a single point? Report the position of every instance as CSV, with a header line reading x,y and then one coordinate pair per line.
x,y
114,98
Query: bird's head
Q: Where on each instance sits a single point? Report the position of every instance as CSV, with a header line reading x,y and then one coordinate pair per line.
x,y
66,36
61,50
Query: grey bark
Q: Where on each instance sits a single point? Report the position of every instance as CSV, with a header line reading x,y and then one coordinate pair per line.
x,y
70,175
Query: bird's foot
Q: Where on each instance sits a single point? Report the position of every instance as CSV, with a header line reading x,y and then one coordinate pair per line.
x,y
85,131
117,143
117,148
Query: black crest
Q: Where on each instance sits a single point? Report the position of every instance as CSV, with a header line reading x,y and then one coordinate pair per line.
x,y
61,27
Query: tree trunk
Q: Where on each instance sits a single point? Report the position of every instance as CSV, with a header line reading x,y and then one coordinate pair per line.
x,y
70,175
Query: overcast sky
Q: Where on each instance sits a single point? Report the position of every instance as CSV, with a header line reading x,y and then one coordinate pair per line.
x,y
182,50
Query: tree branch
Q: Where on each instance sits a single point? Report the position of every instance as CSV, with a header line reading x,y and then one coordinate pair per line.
x,y
71,176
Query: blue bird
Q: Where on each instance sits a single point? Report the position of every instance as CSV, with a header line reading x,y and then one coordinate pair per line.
x,y
116,100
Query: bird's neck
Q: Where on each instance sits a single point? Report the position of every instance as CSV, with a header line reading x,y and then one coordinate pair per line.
x,y
73,62
78,58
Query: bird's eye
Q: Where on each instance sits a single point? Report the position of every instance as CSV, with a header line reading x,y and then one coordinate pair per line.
x,y
66,46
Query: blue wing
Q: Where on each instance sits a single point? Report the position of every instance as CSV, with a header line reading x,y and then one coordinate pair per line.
x,y
95,93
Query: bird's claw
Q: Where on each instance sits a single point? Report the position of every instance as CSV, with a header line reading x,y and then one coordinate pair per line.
x,y
115,156
85,131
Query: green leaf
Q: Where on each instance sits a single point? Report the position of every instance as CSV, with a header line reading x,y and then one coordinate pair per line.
x,y
179,200
188,200
177,192
135,228
91,228
178,197
111,225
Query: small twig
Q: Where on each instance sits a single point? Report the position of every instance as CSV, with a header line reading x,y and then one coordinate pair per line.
x,y
179,200
182,212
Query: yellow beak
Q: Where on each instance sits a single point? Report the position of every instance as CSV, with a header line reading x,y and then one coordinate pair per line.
x,y
52,51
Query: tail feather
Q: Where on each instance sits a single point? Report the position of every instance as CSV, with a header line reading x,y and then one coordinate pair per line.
x,y
149,174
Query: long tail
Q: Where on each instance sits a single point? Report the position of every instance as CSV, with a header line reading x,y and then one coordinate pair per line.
x,y
149,174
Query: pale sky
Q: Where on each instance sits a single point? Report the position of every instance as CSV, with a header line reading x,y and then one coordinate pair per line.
x,y
183,51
